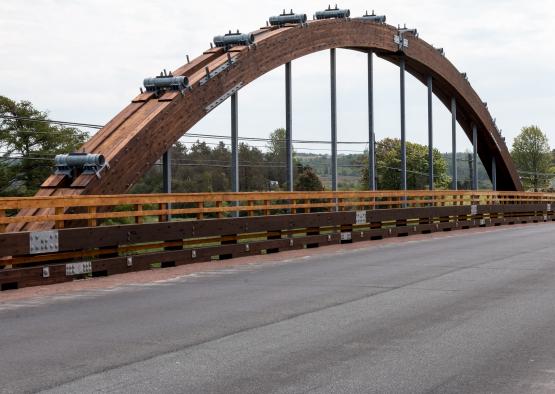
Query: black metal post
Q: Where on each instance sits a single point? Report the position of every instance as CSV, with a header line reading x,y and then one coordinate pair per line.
x,y
167,175
167,172
474,157
454,141
430,136
371,135
234,144
288,128
403,126
333,121
493,173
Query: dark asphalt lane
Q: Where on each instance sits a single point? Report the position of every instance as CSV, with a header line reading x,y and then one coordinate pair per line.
x,y
470,313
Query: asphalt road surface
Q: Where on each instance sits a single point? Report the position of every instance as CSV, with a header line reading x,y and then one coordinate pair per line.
x,y
467,313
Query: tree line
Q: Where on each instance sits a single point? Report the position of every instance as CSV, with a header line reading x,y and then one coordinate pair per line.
x,y
29,142
202,167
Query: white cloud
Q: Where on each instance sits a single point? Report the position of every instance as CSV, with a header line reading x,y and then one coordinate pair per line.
x,y
84,60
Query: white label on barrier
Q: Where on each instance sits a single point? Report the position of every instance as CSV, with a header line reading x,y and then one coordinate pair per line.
x,y
482,222
84,267
474,209
346,236
361,217
548,207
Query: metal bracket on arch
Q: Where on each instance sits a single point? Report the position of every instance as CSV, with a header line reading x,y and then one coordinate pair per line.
x,y
402,42
227,94
231,61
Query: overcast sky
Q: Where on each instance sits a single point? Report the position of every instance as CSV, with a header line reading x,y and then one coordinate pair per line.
x,y
84,60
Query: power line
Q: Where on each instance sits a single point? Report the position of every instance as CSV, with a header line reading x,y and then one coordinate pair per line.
x,y
198,135
260,139
210,163
193,135
48,132
296,148
7,158
59,122
537,173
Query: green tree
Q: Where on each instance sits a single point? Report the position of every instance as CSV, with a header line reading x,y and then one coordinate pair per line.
x,y
308,180
251,176
275,159
532,156
28,144
276,145
388,164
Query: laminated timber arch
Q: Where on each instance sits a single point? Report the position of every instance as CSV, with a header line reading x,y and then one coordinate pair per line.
x,y
141,133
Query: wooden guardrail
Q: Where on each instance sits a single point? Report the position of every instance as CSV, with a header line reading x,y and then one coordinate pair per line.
x,y
34,257
56,211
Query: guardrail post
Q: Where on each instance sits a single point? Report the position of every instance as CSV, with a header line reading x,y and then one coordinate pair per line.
x,y
139,209
91,222
163,217
3,225
251,204
220,213
200,206
59,224
273,234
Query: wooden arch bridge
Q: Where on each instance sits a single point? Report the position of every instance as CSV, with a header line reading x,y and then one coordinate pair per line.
x,y
58,234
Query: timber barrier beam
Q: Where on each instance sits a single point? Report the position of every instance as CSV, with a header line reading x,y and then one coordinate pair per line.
x,y
173,229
